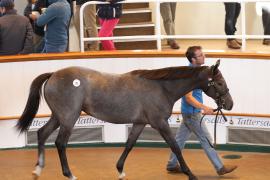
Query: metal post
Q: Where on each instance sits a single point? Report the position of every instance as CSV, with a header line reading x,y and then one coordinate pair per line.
x,y
158,31
243,22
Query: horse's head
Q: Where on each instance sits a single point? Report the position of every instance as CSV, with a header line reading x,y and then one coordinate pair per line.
x,y
215,86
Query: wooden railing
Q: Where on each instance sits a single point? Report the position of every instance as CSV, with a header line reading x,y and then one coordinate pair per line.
x,y
122,54
3,118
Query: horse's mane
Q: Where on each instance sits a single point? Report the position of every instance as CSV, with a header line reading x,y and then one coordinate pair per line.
x,y
169,73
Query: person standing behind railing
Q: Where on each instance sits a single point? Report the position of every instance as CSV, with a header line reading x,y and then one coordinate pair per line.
x,y
266,21
167,11
16,33
56,18
89,22
38,39
232,13
109,15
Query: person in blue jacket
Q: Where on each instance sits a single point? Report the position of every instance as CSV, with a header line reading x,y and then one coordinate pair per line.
x,y
191,108
56,21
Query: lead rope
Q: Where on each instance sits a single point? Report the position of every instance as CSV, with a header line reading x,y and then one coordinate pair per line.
x,y
219,111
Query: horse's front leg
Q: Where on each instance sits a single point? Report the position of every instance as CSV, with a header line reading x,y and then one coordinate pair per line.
x,y
132,137
165,132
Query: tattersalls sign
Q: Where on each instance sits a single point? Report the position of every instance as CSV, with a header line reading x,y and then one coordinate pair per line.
x,y
240,121
83,121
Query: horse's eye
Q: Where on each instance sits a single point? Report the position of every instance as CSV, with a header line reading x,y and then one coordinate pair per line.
x,y
219,83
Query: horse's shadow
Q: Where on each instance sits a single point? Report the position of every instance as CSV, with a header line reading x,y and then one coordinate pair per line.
x,y
208,177
213,177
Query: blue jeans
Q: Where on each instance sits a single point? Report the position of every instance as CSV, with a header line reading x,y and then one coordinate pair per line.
x,y
191,123
39,45
54,48
232,12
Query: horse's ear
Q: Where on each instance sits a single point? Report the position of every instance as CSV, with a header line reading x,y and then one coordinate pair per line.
x,y
214,68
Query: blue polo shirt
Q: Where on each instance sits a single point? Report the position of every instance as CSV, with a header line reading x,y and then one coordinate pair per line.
x,y
186,108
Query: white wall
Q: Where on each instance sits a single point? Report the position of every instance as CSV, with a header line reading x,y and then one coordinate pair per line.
x,y
247,79
20,5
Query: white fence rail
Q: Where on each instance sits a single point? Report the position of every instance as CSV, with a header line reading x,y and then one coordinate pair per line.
x,y
158,36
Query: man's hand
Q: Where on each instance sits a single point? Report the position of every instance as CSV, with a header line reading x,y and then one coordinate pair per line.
x,y
192,101
207,110
33,17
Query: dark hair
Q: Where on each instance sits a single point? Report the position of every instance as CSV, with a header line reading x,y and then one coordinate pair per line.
x,y
190,53
8,8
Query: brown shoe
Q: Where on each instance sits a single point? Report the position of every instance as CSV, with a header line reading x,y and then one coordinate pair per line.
x,y
226,169
266,42
174,45
176,169
238,42
232,43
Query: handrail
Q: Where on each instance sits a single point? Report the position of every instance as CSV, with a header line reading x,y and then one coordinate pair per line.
x,y
3,118
127,53
158,36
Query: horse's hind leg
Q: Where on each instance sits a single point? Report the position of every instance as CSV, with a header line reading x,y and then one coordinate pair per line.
x,y
133,136
66,127
43,133
164,130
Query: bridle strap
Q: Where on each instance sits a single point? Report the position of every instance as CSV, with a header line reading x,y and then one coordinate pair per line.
x,y
219,101
219,111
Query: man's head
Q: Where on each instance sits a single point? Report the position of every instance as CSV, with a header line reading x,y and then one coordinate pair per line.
x,y
195,55
6,5
52,1
31,1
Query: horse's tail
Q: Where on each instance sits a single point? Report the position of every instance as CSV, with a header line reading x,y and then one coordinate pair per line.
x,y
32,104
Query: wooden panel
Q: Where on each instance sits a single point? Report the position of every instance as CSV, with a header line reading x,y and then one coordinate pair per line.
x,y
136,17
135,5
133,31
136,45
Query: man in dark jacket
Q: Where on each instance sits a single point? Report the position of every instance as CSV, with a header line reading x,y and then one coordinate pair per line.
x,y
38,37
16,33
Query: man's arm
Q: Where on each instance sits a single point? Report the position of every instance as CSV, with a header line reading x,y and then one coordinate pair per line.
x,y
39,4
193,102
28,42
47,16
27,11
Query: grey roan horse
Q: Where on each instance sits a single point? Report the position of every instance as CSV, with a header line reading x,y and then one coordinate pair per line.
x,y
140,97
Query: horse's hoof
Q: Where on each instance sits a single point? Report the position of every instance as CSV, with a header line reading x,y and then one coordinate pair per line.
x,y
193,178
36,173
35,176
73,178
122,176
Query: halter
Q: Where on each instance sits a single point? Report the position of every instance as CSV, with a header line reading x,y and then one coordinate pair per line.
x,y
220,101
